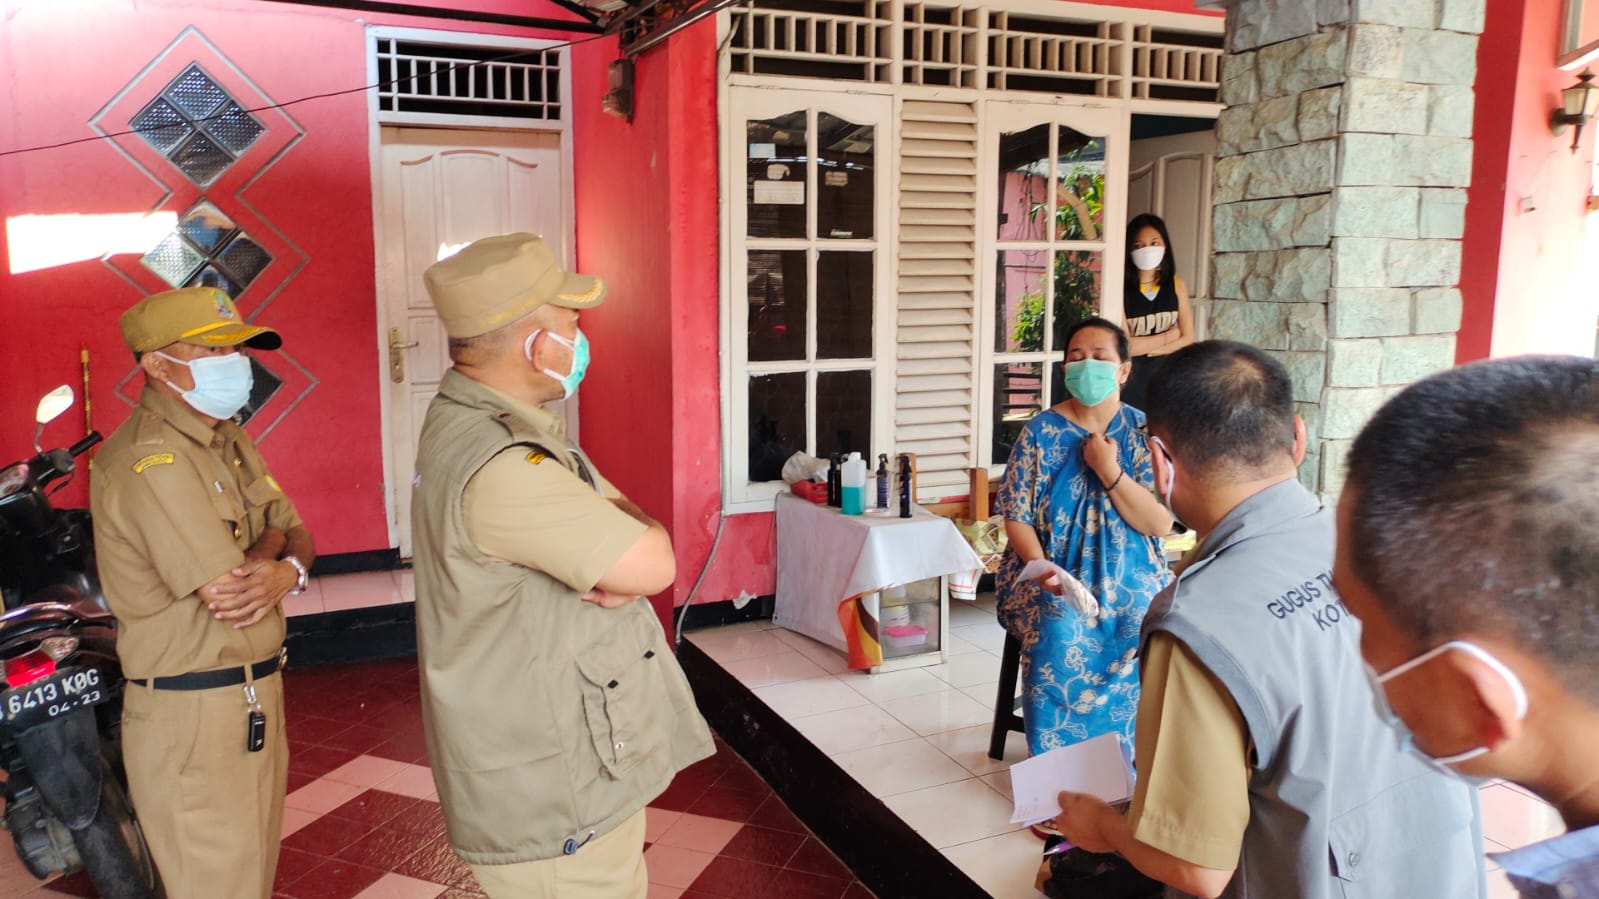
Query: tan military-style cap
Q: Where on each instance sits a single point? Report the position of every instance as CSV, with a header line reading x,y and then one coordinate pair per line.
x,y
497,280
203,316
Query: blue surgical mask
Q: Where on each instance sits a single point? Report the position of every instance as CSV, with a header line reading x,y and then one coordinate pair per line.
x,y
1091,381
580,359
1407,740
221,383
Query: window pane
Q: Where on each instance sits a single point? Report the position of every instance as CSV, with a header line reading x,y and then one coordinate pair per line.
x,y
844,305
1077,280
844,413
777,423
776,192
845,157
1019,300
1024,184
1018,389
1080,189
777,305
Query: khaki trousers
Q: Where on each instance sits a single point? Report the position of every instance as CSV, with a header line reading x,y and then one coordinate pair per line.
x,y
609,867
212,811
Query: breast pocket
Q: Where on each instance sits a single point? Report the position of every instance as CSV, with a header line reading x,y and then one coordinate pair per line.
x,y
234,519
1414,839
258,495
623,698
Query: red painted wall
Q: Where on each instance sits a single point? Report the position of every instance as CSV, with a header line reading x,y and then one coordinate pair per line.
x,y
316,196
1527,274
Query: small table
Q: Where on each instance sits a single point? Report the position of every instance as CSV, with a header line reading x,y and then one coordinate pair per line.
x,y
832,568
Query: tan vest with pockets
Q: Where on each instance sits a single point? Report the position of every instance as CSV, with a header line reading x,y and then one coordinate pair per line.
x,y
547,717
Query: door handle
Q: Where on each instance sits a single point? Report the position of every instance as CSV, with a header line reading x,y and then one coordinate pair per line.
x,y
397,348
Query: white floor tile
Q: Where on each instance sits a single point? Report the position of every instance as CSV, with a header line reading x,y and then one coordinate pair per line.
x,y
834,660
957,646
999,782
965,613
781,668
986,636
847,730
1004,866
1514,819
809,697
398,886
969,748
367,771
900,767
729,644
892,685
954,813
937,713
986,601
322,795
969,669
1499,886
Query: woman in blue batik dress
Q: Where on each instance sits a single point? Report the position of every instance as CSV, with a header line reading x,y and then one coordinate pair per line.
x,y
1079,491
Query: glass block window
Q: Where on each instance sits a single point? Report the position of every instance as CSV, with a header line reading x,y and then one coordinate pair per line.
x,y
264,386
197,126
207,249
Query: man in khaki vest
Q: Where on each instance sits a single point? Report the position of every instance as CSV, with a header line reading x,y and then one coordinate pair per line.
x,y
554,708
197,546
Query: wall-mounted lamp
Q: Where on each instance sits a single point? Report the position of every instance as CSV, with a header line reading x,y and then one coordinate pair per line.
x,y
1577,105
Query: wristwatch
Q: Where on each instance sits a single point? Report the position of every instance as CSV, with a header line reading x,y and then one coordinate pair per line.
x,y
299,566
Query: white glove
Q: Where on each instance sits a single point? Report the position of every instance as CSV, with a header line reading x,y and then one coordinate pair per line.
x,y
1057,580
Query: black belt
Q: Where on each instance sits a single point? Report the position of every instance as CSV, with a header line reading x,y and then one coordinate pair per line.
x,y
210,680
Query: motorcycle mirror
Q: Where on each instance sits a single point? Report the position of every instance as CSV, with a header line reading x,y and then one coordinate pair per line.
x,y
51,406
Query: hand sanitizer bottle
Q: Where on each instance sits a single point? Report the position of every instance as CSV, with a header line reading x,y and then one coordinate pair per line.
x,y
854,484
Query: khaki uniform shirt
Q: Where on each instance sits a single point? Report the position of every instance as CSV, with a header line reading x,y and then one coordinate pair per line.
x,y
548,718
176,504
1192,798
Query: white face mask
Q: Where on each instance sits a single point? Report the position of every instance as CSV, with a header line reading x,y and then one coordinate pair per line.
x,y
1148,258
221,383
1407,740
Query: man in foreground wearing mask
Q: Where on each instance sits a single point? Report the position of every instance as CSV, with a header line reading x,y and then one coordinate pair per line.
x,y
1466,546
555,710
197,546
1263,769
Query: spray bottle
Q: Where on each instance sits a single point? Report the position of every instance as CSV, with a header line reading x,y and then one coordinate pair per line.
x,y
834,487
853,480
882,481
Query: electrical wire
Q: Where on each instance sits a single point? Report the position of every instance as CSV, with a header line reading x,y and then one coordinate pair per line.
x,y
677,636
306,99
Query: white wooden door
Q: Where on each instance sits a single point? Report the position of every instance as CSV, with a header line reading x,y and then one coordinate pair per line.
x,y
1171,177
443,189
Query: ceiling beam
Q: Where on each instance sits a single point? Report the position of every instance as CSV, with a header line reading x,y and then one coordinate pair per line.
x,y
381,7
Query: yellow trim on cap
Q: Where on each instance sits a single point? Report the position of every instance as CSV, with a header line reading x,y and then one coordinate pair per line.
x,y
211,327
595,290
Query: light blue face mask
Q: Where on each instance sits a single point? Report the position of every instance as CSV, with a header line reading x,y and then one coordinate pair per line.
x,y
1091,381
580,358
1407,740
221,383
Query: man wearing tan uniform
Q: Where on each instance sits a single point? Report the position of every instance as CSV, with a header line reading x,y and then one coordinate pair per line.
x,y
197,546
554,708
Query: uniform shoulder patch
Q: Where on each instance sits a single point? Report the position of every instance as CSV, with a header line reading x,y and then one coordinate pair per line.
x,y
153,460
536,456
273,483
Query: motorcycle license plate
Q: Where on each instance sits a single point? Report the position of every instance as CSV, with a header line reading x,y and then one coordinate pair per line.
x,y
51,697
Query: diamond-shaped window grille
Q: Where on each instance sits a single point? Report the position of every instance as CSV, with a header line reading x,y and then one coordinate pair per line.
x,y
208,250
197,126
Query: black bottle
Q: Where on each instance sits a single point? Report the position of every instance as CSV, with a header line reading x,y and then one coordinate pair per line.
x,y
904,486
835,483
882,481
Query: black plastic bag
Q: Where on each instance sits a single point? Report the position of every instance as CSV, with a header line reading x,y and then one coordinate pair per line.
x,y
1080,874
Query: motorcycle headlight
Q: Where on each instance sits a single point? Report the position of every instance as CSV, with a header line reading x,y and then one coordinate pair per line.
x,y
58,648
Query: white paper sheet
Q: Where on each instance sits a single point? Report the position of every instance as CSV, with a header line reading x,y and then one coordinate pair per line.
x,y
1071,588
1098,766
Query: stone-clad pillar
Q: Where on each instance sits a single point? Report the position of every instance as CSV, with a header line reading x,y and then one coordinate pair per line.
x,y
1343,157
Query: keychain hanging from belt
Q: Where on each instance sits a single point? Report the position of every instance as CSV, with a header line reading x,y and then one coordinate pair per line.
x,y
255,718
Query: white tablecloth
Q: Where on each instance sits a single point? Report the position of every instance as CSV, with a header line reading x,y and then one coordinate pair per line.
x,y
825,557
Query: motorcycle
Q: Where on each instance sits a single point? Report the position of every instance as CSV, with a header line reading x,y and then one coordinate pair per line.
x,y
66,799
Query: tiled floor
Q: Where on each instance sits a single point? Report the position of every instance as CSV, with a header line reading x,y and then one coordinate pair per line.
x,y
362,818
918,740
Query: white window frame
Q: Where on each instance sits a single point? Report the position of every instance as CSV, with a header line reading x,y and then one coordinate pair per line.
x,y
742,104
1113,123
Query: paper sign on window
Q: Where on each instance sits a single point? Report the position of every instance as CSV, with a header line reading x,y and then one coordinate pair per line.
x,y
835,179
763,151
780,193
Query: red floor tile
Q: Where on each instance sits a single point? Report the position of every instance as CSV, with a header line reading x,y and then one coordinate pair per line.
x,y
814,858
313,729
742,777
294,864
734,805
76,885
774,814
403,747
857,891
762,844
359,738
333,879
375,807
437,863
735,878
318,760
382,848
685,790
327,835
